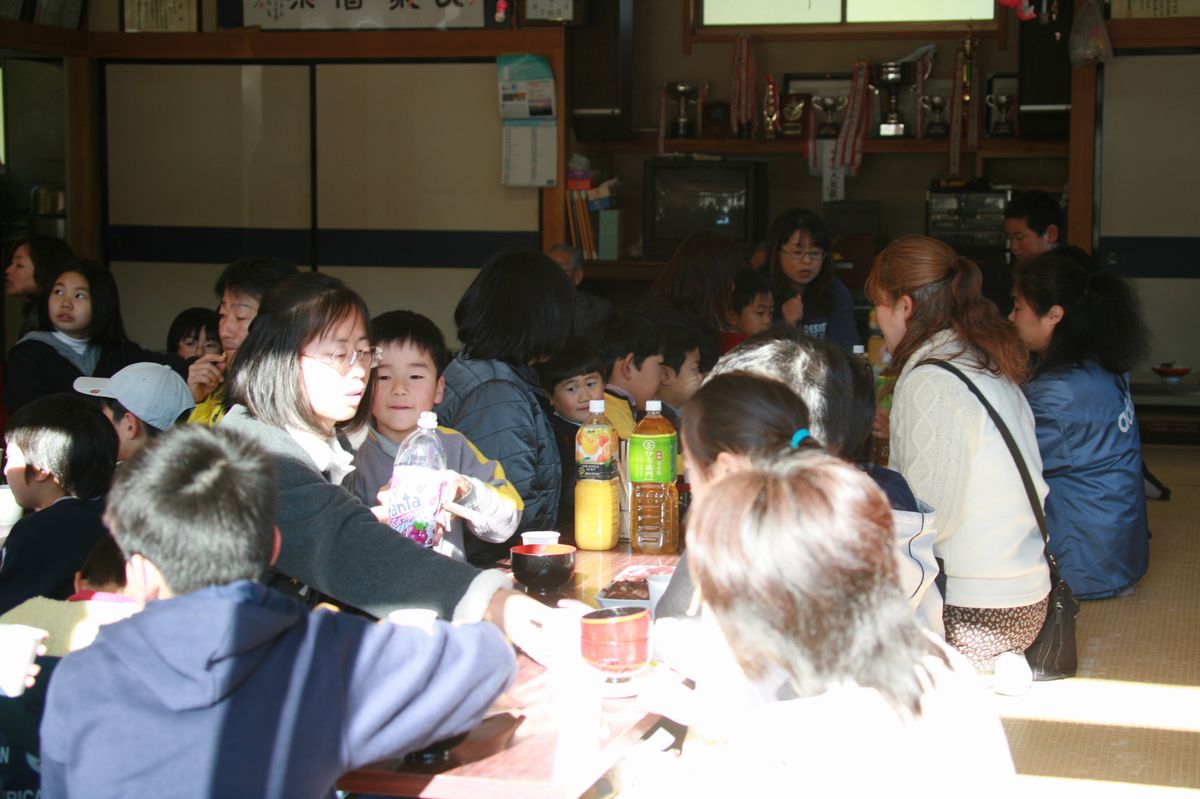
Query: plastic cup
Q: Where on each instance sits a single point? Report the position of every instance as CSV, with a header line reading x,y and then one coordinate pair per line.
x,y
539,537
18,648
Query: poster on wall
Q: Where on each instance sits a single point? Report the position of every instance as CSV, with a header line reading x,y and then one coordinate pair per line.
x,y
529,119
362,14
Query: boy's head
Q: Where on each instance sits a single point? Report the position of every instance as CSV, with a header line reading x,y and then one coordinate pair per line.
x,y
195,508
680,371
59,445
574,376
753,306
104,569
1034,223
142,400
631,349
409,378
240,290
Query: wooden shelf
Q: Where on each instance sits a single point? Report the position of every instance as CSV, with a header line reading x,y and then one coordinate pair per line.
x,y
35,38
1154,32
990,148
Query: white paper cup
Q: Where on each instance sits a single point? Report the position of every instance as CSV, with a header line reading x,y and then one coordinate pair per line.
x,y
414,617
657,583
18,648
539,537
10,511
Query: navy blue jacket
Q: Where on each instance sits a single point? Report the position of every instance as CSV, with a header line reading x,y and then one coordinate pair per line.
x,y
236,690
1092,459
45,549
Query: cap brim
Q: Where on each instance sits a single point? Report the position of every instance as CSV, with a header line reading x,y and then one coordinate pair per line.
x,y
92,386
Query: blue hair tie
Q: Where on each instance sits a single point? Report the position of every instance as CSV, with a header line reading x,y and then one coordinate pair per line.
x,y
799,436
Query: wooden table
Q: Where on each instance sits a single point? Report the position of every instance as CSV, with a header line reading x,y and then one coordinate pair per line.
x,y
525,752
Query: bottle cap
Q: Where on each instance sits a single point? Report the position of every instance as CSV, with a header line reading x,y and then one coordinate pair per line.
x,y
427,420
653,406
596,406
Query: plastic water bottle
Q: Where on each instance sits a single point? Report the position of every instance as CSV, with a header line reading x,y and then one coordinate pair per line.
x,y
654,506
598,484
417,483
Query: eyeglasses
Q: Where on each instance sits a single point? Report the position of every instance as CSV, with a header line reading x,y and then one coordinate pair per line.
x,y
343,362
802,255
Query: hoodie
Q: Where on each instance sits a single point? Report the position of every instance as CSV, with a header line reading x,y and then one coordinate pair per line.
x,y
236,690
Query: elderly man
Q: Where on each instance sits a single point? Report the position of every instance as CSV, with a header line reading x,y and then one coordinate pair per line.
x,y
590,311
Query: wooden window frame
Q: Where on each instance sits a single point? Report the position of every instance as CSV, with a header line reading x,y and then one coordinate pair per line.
x,y
695,33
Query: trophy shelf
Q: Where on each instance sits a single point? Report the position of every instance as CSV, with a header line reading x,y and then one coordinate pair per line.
x,y
988,148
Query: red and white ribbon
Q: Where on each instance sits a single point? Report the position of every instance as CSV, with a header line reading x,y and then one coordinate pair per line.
x,y
848,151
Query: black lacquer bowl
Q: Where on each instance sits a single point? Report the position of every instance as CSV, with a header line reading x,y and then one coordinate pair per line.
x,y
543,567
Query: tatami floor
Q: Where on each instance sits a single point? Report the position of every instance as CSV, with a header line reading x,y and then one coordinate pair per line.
x,y
1129,724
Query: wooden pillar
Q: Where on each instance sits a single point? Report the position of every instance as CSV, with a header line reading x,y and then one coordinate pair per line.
x,y
83,157
1081,176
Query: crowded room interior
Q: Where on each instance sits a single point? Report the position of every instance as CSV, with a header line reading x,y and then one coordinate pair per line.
x,y
599,398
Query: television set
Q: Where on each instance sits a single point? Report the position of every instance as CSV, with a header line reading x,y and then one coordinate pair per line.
x,y
689,195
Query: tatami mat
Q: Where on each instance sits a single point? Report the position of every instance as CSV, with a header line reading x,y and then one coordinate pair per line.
x,y
1129,724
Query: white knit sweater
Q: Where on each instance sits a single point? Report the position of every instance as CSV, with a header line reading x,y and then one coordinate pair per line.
x,y
954,458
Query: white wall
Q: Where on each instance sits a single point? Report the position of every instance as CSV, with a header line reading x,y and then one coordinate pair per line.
x,y
1148,179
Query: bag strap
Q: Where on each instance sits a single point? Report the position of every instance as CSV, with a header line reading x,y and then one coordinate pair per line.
x,y
1030,491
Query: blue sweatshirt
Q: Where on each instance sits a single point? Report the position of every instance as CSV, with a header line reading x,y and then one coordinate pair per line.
x,y
236,690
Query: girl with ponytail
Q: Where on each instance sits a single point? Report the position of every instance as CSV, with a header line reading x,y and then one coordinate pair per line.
x,y
1084,333
930,306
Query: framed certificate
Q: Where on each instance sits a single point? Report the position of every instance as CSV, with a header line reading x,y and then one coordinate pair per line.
x,y
179,16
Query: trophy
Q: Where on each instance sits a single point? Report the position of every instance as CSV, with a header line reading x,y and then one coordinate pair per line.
x,y
685,94
770,110
830,107
1002,128
792,112
891,75
936,128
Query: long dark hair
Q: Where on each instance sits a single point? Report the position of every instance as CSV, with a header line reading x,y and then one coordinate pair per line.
x,y
519,307
107,327
947,293
698,281
818,294
265,375
1101,318
797,562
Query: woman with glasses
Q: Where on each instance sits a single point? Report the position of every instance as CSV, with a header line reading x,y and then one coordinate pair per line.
x,y
807,293
303,372
516,313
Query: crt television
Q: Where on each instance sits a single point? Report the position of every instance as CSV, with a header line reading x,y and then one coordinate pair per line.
x,y
688,195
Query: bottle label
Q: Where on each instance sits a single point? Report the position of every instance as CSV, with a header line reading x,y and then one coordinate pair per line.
x,y
652,458
414,502
596,452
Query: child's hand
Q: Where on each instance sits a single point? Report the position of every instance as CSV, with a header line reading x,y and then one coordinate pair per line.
x,y
793,310
205,374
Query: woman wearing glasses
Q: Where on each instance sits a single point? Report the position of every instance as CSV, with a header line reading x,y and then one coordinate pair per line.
x,y
304,371
807,292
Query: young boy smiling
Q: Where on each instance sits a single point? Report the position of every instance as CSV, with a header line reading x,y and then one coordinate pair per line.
x,y
409,381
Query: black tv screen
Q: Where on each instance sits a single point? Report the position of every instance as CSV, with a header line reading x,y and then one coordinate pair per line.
x,y
685,197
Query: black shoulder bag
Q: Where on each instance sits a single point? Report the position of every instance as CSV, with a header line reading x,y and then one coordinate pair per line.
x,y
1052,656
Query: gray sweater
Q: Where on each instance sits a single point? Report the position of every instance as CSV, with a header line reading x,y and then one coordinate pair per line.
x,y
333,543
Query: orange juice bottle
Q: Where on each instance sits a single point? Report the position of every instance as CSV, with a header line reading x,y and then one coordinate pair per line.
x,y
597,489
654,506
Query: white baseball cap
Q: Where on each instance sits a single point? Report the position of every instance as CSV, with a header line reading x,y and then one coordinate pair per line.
x,y
152,392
